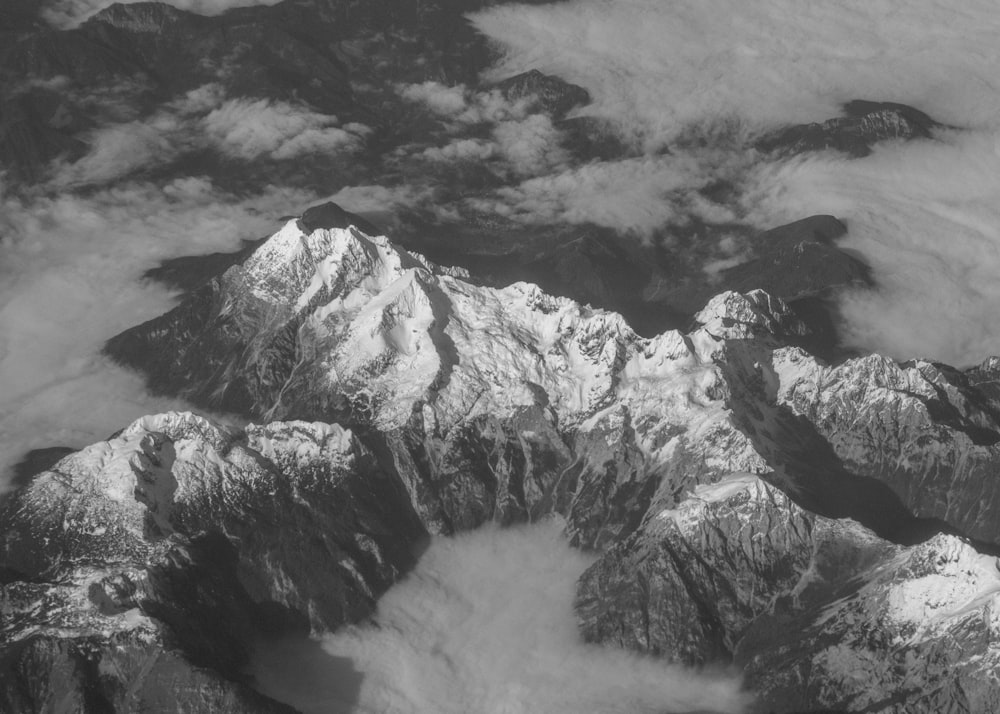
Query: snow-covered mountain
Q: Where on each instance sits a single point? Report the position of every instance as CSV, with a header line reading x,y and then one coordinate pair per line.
x,y
749,501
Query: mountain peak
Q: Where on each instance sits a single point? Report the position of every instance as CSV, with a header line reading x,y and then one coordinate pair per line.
x,y
330,215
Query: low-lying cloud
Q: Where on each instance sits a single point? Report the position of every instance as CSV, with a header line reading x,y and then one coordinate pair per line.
x,y
204,119
659,67
70,269
921,213
927,217
484,624
521,144
249,129
637,195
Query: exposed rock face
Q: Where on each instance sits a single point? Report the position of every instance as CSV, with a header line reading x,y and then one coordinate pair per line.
x,y
922,430
335,325
795,261
688,459
491,404
865,124
544,92
127,670
690,582
172,545
822,614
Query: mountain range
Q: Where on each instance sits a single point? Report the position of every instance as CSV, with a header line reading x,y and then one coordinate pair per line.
x,y
755,494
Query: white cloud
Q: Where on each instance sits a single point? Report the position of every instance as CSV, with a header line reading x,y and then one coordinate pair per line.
x,y
120,149
462,150
463,105
637,195
70,13
380,204
202,119
927,218
69,280
531,145
922,213
249,129
658,67
485,624
439,98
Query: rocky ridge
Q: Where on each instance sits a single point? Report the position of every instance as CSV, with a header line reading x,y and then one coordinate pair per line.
x,y
704,465
143,567
819,613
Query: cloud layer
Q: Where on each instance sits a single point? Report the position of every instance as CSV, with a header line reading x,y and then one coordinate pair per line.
x,y
927,218
660,66
249,129
923,213
205,120
69,279
485,624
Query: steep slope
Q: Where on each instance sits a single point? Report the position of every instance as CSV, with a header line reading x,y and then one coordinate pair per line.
x,y
819,613
142,568
706,467
337,325
493,403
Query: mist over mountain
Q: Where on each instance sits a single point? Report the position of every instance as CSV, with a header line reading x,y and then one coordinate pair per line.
x,y
308,308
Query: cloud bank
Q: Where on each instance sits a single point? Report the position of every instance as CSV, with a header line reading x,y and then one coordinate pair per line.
x,y
637,195
249,129
658,67
204,119
70,269
664,72
484,624
927,218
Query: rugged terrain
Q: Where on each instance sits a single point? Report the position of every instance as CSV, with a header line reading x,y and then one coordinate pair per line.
x,y
371,79
824,522
752,502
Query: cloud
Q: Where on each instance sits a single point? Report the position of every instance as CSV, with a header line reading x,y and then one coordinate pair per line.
x,y
380,204
638,195
439,98
120,149
70,270
485,624
204,119
531,145
65,14
927,218
248,129
462,150
672,74
521,144
464,105
658,67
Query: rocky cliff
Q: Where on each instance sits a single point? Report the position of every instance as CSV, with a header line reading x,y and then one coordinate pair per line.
x,y
750,502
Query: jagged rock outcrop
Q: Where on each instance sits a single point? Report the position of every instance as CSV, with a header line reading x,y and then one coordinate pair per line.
x,y
921,434
865,124
795,261
335,325
492,403
469,404
693,579
543,92
168,548
821,614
